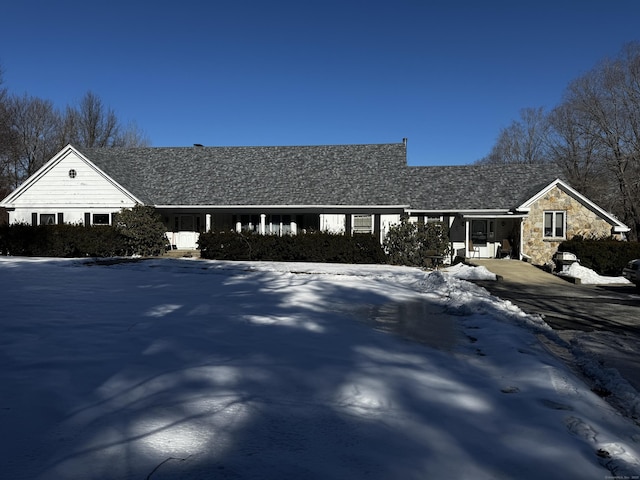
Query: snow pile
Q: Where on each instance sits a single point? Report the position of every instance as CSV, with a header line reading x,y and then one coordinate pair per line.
x,y
588,276
194,369
467,272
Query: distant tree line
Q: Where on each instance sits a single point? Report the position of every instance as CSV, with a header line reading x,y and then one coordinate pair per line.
x,y
33,130
593,135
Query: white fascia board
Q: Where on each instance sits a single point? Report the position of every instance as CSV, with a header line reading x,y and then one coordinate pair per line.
x,y
499,215
464,213
281,207
618,226
47,167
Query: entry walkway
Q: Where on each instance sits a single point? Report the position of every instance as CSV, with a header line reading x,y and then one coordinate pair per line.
x,y
517,271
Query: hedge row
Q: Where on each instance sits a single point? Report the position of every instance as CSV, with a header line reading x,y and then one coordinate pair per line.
x,y
310,247
605,256
61,241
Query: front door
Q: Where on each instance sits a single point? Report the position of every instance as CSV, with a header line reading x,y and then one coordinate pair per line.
x,y
186,232
483,237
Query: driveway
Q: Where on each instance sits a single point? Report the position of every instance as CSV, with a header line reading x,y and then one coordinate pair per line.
x,y
604,320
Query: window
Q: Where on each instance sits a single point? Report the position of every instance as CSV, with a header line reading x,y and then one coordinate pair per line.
x,y
47,219
101,219
362,224
479,230
72,173
554,225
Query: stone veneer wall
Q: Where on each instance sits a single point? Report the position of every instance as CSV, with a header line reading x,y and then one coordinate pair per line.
x,y
580,221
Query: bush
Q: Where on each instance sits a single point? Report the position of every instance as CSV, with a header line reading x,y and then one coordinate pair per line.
x,y
606,256
60,241
321,247
416,244
143,230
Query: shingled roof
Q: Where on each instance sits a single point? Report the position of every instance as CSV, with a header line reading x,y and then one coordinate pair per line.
x,y
314,176
298,175
476,187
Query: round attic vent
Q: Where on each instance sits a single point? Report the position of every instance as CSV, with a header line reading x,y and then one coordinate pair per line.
x,y
72,173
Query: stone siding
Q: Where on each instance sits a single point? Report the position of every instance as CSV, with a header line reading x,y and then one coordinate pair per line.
x,y
579,220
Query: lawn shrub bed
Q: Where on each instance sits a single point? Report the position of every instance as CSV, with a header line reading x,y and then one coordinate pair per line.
x,y
309,247
61,241
606,256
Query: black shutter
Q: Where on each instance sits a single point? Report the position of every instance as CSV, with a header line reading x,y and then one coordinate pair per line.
x,y
34,218
87,219
60,218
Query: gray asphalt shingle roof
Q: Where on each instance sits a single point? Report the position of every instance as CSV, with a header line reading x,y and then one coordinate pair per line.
x,y
300,175
313,175
476,187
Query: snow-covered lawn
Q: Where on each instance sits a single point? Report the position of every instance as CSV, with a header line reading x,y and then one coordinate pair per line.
x,y
186,369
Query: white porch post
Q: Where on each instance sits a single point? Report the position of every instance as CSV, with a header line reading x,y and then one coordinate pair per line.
x,y
238,227
263,223
207,222
453,252
466,237
521,249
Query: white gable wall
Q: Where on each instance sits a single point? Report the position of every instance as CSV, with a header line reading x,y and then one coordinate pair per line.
x,y
52,190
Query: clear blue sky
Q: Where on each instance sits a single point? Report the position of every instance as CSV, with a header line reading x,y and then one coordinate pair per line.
x,y
447,75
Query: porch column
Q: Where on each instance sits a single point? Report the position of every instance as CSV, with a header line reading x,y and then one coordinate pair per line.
x,y
466,237
263,223
238,227
521,249
207,222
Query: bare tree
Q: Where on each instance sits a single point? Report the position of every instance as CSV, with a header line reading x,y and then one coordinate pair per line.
x,y
523,141
132,136
34,123
607,99
8,143
91,124
572,146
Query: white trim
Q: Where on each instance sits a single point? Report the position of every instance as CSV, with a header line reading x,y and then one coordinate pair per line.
x,y
503,215
618,226
284,207
493,211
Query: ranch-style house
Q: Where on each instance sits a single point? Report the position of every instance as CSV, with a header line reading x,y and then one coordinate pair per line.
x,y
520,211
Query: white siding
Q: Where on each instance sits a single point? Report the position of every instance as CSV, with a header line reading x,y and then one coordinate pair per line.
x,y
88,189
52,191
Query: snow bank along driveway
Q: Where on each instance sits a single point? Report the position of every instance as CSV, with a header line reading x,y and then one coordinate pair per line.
x,y
191,369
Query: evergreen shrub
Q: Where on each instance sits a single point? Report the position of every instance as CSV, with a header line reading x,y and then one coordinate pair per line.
x,y
320,247
60,241
417,244
606,256
143,230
